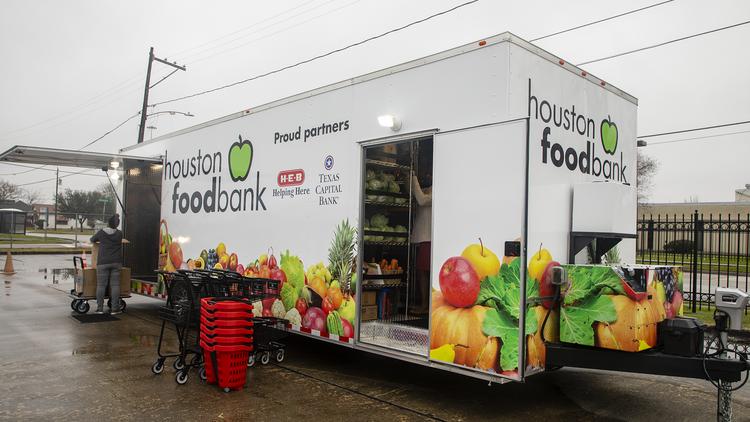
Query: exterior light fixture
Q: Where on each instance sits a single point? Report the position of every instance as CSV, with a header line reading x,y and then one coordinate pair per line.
x,y
114,164
390,121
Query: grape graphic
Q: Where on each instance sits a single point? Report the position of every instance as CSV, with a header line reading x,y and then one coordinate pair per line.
x,y
666,276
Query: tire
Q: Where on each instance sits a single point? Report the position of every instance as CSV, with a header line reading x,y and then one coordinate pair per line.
x,y
265,358
178,364
202,374
280,355
123,305
227,389
158,367
251,360
82,307
73,304
181,377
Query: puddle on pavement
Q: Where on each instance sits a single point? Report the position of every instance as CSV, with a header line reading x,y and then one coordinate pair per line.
x,y
58,274
144,340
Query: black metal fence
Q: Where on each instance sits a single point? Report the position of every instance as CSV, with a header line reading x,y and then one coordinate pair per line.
x,y
713,250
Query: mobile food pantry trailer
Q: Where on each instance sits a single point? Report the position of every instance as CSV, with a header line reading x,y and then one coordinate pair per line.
x,y
425,212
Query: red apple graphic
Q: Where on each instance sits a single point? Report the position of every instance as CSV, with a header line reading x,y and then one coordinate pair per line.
x,y
459,282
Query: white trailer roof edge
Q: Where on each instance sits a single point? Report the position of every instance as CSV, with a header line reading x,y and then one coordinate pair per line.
x,y
476,45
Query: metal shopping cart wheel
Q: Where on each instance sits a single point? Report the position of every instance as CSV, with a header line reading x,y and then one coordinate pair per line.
x,y
202,373
265,358
280,355
158,367
181,378
251,360
178,364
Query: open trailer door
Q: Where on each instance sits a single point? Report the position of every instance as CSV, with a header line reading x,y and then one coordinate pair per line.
x,y
139,179
478,206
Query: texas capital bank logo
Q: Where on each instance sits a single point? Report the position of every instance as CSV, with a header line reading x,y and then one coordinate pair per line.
x,y
205,167
557,120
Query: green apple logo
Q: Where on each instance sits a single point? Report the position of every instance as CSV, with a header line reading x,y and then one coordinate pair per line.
x,y
609,136
240,159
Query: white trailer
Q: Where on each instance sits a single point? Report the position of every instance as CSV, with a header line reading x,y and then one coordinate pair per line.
x,y
496,133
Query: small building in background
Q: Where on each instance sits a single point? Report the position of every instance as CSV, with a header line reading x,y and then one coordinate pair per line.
x,y
48,213
13,216
742,195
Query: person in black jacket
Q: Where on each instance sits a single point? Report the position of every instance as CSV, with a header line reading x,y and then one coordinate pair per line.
x,y
108,264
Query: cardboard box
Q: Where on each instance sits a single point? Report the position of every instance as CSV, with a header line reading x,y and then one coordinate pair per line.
x,y
89,282
125,281
369,298
369,313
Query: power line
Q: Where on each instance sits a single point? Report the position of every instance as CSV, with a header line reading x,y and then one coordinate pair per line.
x,y
664,43
110,131
693,129
200,59
600,20
254,28
320,56
698,137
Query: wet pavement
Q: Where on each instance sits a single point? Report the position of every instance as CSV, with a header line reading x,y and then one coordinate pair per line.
x,y
54,368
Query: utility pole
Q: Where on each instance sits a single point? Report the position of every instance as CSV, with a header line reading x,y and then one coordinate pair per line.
x,y
151,59
57,184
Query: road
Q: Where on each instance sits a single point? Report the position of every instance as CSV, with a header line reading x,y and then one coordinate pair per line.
x,y
55,368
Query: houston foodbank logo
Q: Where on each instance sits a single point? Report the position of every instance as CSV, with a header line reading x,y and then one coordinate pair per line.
x,y
586,161
215,199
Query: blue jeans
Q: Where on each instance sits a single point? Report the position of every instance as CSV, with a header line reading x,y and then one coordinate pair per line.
x,y
108,273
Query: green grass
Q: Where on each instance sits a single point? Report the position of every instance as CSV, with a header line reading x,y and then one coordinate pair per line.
x,y
707,315
88,232
713,264
19,239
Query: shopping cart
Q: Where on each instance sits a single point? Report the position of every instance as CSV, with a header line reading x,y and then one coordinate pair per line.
x,y
184,291
268,331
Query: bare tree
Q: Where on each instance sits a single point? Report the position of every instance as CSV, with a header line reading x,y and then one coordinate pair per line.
x,y
29,196
8,191
646,169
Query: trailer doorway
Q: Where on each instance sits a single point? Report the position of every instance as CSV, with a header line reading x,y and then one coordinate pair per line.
x,y
395,237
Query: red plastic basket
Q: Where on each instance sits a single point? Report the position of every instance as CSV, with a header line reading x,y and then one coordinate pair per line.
x,y
214,323
226,340
235,305
226,315
231,365
230,332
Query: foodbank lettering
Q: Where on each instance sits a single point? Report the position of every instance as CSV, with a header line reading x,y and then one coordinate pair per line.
x,y
208,166
604,162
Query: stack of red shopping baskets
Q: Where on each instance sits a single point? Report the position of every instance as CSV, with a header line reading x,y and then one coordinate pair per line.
x,y
226,338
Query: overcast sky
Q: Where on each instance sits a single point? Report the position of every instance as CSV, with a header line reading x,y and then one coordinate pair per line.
x,y
72,70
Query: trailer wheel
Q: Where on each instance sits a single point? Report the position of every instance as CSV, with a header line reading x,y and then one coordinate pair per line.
x,y
178,364
82,307
158,367
73,304
202,374
251,360
265,358
280,355
181,378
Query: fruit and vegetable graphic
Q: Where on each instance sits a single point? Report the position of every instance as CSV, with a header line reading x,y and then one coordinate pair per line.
x,y
609,136
599,308
475,315
483,260
321,298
